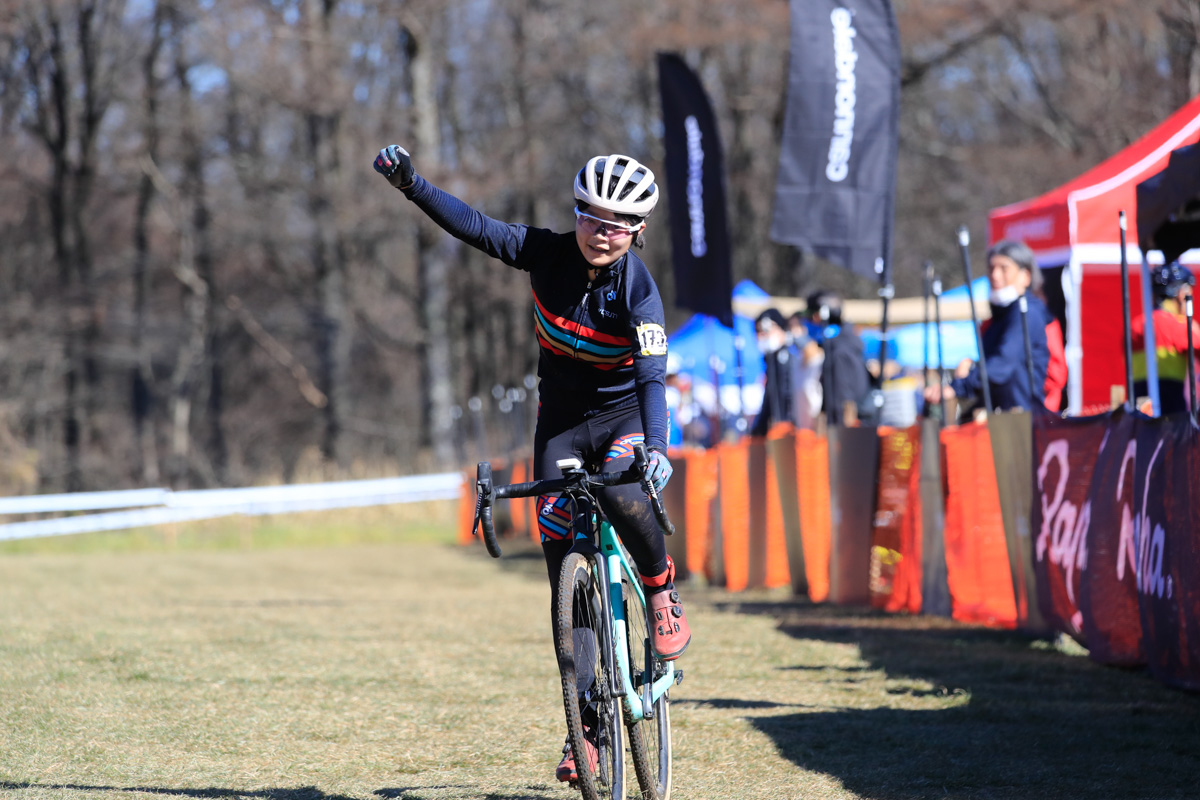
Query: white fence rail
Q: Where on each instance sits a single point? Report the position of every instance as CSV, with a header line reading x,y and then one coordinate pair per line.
x,y
144,507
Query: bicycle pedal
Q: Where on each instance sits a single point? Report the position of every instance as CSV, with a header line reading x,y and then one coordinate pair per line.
x,y
678,677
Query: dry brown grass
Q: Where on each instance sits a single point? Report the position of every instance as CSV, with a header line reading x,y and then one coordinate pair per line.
x,y
285,666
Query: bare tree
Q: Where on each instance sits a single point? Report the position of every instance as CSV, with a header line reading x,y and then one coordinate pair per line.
x,y
331,319
69,52
203,280
143,396
434,250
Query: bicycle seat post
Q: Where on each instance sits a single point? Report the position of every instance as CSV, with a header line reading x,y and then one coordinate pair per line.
x,y
576,477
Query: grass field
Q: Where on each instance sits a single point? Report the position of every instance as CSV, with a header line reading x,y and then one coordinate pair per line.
x,y
360,655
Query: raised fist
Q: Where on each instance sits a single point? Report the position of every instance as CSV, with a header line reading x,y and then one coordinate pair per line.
x,y
394,164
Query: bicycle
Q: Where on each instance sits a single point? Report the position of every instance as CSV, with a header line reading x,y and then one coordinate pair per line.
x,y
601,635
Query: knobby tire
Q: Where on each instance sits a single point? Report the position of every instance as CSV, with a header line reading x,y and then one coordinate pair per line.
x,y
577,608
649,739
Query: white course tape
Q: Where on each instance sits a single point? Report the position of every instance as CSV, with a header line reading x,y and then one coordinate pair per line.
x,y
207,504
82,501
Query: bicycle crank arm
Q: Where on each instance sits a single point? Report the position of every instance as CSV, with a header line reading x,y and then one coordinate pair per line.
x,y
648,685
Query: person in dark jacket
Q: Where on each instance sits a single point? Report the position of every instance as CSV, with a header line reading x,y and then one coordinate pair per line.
x,y
844,376
599,322
777,392
808,359
1012,272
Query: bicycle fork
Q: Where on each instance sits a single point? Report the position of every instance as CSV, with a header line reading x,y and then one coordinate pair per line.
x,y
583,514
616,683
608,566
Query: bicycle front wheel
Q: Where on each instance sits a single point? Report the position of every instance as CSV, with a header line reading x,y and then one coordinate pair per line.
x,y
649,739
593,714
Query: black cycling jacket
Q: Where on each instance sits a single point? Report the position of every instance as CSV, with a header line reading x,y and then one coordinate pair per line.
x,y
603,343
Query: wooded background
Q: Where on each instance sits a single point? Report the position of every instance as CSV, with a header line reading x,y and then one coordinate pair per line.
x,y
202,281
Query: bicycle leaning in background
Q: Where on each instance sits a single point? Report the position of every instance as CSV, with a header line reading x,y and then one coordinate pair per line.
x,y
614,687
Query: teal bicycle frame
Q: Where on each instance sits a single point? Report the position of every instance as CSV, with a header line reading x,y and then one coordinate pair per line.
x,y
617,563
609,562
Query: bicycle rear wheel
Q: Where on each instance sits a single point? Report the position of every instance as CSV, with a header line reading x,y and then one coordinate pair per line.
x,y
649,739
593,714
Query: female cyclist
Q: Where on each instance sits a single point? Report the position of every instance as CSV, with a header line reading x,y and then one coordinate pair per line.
x,y
603,352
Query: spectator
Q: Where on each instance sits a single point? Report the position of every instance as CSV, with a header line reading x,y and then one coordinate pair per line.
x,y
1056,368
844,377
807,361
1012,272
1172,286
777,394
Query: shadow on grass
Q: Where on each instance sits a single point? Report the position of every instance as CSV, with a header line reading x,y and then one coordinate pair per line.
x,y
298,793
727,702
1019,719
416,793
210,793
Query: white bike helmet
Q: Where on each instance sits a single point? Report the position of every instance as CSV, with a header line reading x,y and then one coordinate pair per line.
x,y
618,184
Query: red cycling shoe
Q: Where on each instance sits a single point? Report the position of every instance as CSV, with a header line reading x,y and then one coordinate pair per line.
x,y
566,770
669,631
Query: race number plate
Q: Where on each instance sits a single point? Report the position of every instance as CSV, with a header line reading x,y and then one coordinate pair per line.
x,y
652,338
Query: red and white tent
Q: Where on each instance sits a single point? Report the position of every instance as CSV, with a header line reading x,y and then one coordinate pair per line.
x,y
1076,227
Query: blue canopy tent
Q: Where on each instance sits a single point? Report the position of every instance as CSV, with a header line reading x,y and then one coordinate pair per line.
x,y
704,346
704,350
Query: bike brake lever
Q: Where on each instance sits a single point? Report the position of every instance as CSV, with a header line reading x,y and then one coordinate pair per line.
x,y
641,462
485,495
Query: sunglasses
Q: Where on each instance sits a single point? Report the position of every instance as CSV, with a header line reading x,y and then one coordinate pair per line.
x,y
604,227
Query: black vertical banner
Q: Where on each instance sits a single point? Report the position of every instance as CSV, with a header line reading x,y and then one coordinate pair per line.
x,y
835,193
696,193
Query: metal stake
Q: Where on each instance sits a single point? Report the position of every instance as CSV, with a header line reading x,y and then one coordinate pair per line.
x,y
964,239
1191,368
1129,399
1023,304
937,312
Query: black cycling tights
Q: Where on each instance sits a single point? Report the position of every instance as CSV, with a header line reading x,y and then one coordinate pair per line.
x,y
607,438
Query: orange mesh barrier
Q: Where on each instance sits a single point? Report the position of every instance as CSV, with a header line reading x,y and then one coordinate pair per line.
x,y
519,508
466,510
734,461
816,531
895,557
777,572
700,488
977,570
535,535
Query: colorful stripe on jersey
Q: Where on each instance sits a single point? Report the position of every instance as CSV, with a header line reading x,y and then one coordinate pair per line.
x,y
563,337
554,517
623,447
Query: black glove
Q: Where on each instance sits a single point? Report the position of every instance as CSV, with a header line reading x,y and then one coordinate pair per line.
x,y
394,164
